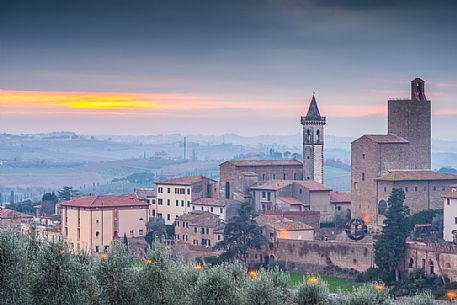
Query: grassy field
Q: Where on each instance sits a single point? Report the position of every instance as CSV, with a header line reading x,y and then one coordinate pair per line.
x,y
334,283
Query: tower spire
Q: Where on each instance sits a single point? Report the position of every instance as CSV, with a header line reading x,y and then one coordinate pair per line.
x,y
313,111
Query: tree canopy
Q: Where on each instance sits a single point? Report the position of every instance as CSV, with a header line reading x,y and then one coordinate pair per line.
x,y
390,247
241,234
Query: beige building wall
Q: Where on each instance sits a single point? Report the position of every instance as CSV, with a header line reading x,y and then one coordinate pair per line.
x,y
295,235
97,227
450,216
171,204
216,210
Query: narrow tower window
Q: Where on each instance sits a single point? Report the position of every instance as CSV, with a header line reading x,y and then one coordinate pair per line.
x,y
317,136
308,133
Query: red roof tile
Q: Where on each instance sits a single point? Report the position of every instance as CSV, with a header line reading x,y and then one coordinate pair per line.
x,y
188,180
386,138
340,197
279,184
282,223
415,175
291,201
9,214
246,163
102,201
218,202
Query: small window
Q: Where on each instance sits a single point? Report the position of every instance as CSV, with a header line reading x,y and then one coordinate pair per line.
x,y
363,176
177,223
195,229
415,188
284,176
207,231
177,203
264,194
455,220
448,201
222,210
300,191
168,217
168,202
363,156
97,221
97,249
97,234
218,237
211,209
160,201
263,177
274,176
406,189
385,189
188,204
307,157
202,230
168,190
434,188
131,232
188,191
182,203
140,232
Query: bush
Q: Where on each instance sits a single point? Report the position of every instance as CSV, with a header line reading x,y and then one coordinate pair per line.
x,y
422,299
312,294
367,295
269,287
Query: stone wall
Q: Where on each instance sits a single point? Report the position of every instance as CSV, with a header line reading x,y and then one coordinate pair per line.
x,y
333,257
439,258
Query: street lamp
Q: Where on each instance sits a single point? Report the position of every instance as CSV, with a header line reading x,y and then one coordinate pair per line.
x,y
252,272
312,279
451,295
379,286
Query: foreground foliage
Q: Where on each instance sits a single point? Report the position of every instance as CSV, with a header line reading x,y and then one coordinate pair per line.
x,y
38,273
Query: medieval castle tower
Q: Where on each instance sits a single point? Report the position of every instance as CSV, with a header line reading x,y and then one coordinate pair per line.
x,y
313,143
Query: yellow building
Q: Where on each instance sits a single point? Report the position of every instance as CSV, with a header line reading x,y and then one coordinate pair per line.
x,y
92,223
175,196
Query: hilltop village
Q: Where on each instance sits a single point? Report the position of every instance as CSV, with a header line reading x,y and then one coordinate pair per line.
x,y
306,223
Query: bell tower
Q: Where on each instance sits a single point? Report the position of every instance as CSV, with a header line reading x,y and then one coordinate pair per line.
x,y
313,143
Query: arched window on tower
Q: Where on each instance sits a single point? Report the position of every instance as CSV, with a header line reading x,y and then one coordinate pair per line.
x,y
308,134
318,136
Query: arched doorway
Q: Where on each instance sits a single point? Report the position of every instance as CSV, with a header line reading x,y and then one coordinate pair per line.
x,y
382,207
227,190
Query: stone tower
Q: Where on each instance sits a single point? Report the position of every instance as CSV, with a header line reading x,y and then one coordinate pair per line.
x,y
411,120
313,143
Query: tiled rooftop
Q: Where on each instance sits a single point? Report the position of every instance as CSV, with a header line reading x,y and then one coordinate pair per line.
x,y
200,219
242,163
279,222
217,202
385,139
415,175
291,201
340,197
279,184
188,180
102,201
8,214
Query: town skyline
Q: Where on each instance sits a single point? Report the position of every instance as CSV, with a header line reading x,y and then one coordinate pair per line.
x,y
166,68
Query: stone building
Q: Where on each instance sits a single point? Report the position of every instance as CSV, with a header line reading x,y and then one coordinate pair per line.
x,y
199,229
236,176
341,201
450,215
313,143
276,227
400,158
290,195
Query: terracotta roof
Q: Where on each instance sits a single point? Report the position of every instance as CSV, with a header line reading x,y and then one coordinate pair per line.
x,y
279,222
386,139
291,201
279,184
145,193
10,214
218,202
340,197
242,163
414,175
452,195
453,186
102,201
188,180
201,219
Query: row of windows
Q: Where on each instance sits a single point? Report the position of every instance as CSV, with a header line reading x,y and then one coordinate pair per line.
x,y
160,202
407,189
274,176
211,209
202,230
178,190
204,242
185,224
184,237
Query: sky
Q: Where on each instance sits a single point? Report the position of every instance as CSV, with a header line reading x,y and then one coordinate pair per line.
x,y
141,67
